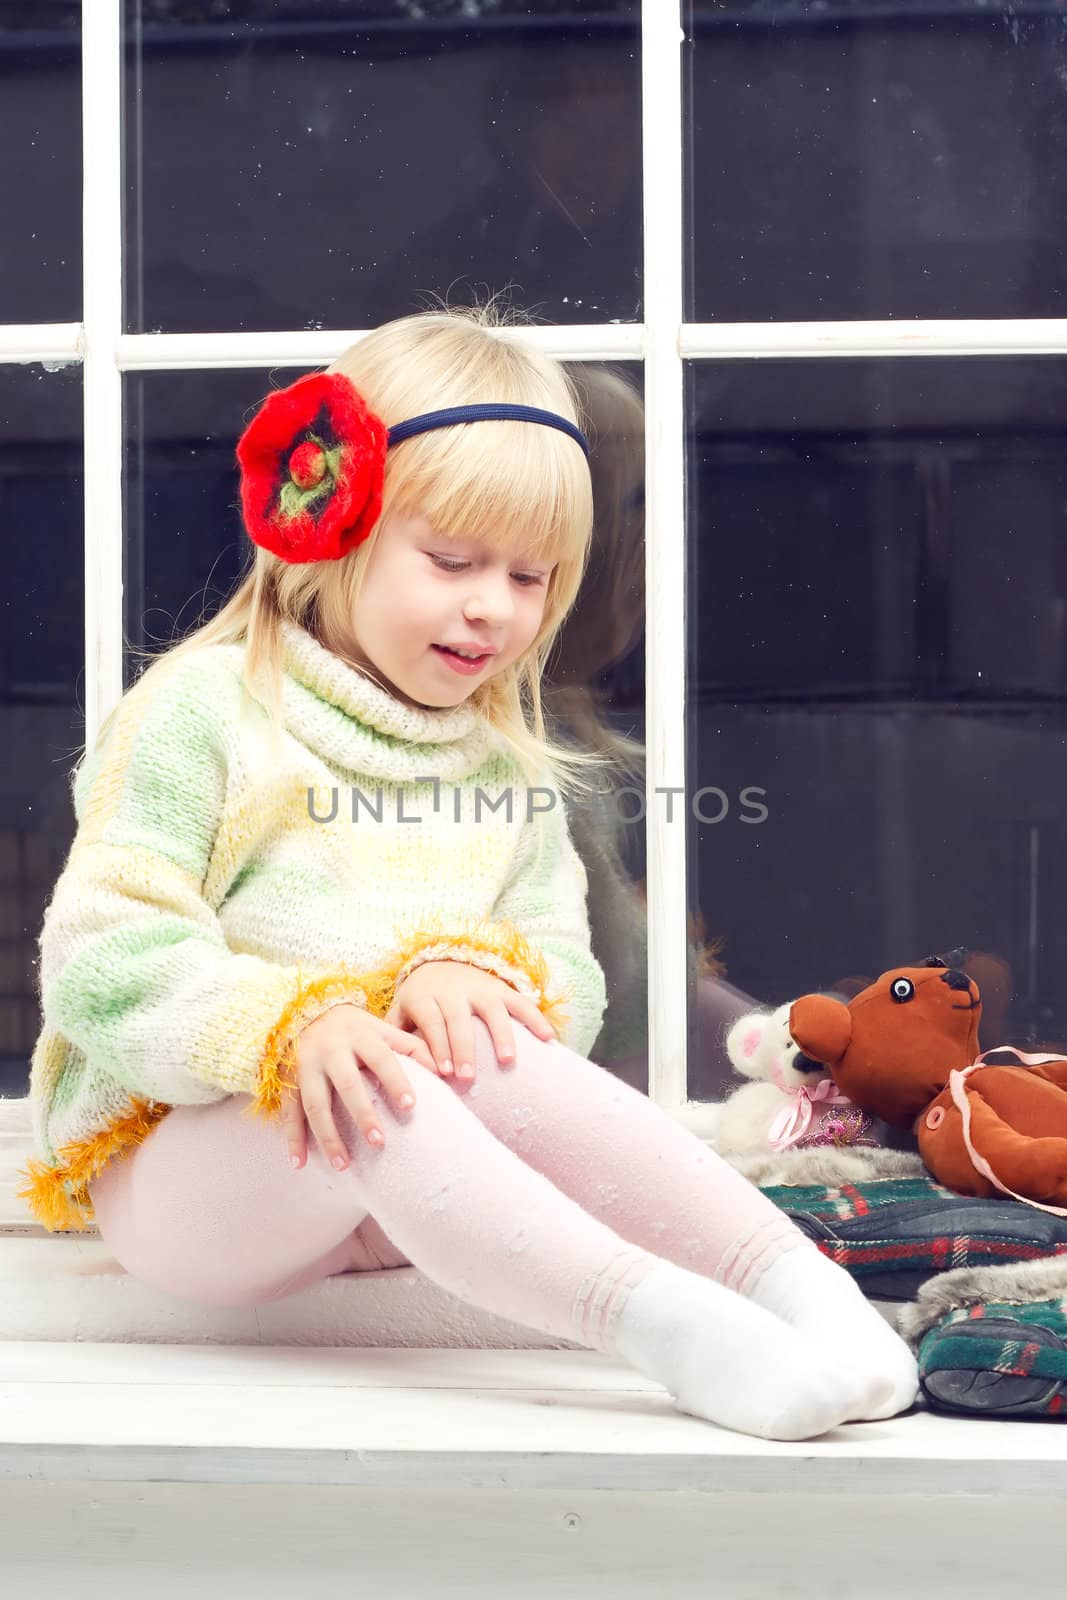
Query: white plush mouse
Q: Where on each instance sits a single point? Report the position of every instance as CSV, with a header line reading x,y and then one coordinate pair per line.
x,y
794,1104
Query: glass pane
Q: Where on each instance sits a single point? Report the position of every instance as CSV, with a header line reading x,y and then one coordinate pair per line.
x,y
878,649
594,692
849,160
186,552
288,170
42,655
41,173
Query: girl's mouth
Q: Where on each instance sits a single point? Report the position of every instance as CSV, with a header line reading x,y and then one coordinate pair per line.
x,y
460,663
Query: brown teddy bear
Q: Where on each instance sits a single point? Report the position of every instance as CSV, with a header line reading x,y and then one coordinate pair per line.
x,y
906,1049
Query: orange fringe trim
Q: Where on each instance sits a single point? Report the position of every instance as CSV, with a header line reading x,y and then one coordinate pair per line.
x,y
509,945
278,1062
46,1192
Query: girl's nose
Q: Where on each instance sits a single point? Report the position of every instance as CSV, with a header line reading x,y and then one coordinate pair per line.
x,y
490,602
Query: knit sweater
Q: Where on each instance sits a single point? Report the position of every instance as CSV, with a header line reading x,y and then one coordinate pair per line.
x,y
216,900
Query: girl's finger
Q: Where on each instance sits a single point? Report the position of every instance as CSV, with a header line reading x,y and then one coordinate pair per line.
x,y
524,1010
461,1039
409,1044
383,1062
498,1021
295,1126
318,1103
431,1024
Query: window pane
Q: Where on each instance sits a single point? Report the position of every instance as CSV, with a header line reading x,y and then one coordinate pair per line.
x,y
857,161
878,645
186,552
42,655
594,691
288,169
41,173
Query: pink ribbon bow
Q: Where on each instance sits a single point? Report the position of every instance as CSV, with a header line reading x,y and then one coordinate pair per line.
x,y
794,1120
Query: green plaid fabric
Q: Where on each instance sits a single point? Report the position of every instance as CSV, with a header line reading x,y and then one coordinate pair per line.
x,y
854,1199
892,1234
998,1359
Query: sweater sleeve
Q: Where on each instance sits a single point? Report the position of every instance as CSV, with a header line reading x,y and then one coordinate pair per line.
x,y
537,937
135,971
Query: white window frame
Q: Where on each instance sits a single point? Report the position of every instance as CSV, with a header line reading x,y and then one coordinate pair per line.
x,y
664,342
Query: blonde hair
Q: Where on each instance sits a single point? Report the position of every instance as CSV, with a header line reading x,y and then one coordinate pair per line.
x,y
499,481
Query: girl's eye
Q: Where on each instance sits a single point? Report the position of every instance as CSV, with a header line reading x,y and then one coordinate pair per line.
x,y
525,578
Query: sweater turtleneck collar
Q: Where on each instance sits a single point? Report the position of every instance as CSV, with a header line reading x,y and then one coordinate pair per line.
x,y
334,709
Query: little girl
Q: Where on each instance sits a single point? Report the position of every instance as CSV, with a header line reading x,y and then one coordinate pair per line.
x,y
316,978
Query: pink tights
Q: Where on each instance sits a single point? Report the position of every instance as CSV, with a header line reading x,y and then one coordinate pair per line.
x,y
544,1193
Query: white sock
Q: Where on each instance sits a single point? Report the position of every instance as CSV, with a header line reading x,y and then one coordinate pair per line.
x,y
732,1362
818,1298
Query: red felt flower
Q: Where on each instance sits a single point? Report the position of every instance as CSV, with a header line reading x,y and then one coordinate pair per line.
x,y
312,463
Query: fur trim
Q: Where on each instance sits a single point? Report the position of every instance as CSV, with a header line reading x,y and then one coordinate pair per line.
x,y
1014,1283
496,947
278,1061
58,1195
828,1166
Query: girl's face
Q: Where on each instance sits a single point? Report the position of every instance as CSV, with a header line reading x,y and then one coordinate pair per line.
x,y
422,591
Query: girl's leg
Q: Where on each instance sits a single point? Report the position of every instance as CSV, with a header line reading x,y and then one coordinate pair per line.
x,y
207,1208
628,1163
214,1212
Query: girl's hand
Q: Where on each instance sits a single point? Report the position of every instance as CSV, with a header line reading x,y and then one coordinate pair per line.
x,y
332,1050
440,997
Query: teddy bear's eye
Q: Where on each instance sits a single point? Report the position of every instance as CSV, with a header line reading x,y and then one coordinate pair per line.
x,y
901,989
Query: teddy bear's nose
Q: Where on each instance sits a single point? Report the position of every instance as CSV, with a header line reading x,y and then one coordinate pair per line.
x,y
803,1063
956,980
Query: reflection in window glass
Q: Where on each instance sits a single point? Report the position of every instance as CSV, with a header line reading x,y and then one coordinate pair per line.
x,y
186,552
41,692
849,160
41,173
878,646
335,165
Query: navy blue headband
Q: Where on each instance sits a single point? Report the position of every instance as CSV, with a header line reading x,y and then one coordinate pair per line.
x,y
493,412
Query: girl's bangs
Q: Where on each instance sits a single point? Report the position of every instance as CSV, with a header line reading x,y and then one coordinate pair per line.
x,y
508,484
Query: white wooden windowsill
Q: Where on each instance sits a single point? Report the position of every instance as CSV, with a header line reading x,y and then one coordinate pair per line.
x,y
522,1419
263,1471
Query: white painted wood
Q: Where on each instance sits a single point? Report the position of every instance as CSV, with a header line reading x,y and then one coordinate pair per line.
x,y
102,310
522,1420
16,1147
152,352
15,1115
59,342
156,352
46,1365
106,1541
903,337
665,536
